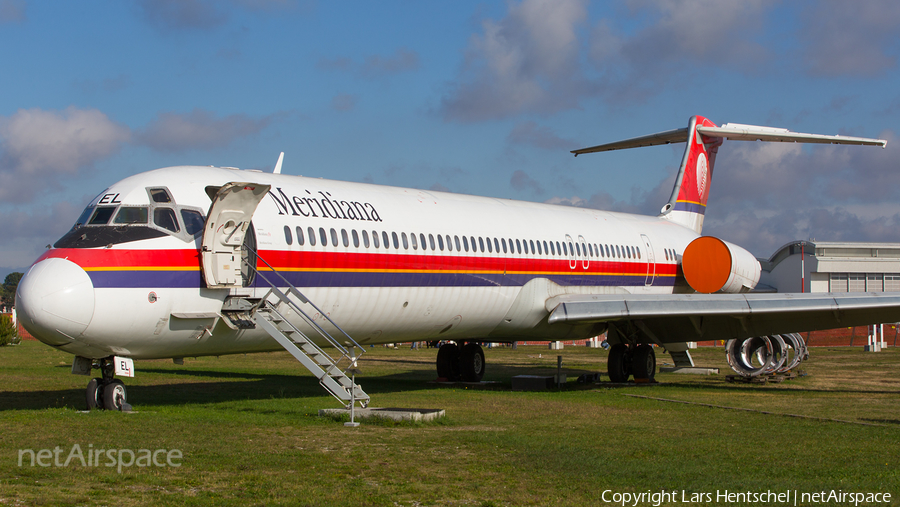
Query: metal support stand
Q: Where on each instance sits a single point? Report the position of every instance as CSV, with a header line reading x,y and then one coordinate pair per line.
x,y
558,372
352,370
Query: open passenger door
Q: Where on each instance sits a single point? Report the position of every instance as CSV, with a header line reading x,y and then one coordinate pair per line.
x,y
227,224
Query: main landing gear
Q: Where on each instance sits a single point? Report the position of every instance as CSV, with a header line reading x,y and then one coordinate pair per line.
x,y
108,392
465,364
636,360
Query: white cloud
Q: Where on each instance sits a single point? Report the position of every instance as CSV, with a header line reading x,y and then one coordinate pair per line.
x,y
374,66
12,11
37,147
850,38
199,129
530,133
526,62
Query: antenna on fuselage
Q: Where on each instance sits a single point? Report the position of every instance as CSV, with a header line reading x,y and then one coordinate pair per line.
x,y
278,164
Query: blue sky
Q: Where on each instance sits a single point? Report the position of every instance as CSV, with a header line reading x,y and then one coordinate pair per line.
x,y
474,97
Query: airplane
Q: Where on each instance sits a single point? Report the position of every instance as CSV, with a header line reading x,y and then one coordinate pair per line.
x,y
196,261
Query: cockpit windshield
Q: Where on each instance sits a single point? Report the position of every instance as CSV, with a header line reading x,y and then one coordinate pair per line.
x,y
101,225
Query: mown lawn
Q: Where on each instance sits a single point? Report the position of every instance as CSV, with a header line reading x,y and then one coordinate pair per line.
x,y
249,434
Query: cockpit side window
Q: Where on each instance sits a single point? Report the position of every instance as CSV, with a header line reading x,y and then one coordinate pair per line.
x,y
193,221
165,218
84,216
131,215
102,215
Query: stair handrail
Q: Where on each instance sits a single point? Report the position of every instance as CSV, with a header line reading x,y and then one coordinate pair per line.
x,y
293,290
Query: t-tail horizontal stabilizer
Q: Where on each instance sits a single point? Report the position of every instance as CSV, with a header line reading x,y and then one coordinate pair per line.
x,y
734,131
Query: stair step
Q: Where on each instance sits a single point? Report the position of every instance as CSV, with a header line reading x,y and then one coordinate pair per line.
x,y
317,361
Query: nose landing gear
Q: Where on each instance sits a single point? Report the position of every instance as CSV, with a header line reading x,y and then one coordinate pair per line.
x,y
108,392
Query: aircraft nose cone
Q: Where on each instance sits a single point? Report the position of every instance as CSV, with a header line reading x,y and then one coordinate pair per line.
x,y
55,301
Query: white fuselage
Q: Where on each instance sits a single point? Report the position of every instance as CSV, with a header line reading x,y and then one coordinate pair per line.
x,y
465,276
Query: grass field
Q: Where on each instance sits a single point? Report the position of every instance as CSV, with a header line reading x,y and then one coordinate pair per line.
x,y
248,433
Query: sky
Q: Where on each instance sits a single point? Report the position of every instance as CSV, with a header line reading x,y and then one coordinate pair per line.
x,y
475,97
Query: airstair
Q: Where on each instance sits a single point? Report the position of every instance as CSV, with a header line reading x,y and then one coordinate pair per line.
x,y
229,260
335,371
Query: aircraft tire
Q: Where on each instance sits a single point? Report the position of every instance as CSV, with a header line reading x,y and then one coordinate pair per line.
x,y
471,363
617,364
448,361
114,395
94,394
644,362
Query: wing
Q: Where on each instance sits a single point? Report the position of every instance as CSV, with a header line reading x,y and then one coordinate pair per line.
x,y
671,318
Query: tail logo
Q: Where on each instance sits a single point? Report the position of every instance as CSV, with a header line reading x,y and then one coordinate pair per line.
x,y
702,171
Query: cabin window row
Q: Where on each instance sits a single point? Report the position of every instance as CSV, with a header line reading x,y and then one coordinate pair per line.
x,y
416,241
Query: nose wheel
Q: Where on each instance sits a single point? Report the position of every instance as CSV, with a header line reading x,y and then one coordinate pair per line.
x,y
107,393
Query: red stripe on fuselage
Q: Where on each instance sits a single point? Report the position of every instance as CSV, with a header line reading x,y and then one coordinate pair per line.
x,y
103,258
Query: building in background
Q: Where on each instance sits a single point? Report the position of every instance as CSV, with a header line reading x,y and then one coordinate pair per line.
x,y
831,266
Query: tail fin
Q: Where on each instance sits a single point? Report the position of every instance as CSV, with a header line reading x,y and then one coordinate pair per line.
x,y
687,206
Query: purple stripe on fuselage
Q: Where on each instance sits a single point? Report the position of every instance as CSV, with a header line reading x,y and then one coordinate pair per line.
x,y
690,206
192,279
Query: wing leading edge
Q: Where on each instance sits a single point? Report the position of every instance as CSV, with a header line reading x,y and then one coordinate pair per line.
x,y
675,318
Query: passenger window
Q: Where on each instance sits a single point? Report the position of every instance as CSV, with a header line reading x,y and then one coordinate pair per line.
x,y
489,246
396,240
481,243
474,245
441,242
300,235
466,243
375,239
355,238
456,240
345,238
193,222
412,239
449,244
334,239
503,243
422,241
129,215
540,252
385,241
102,215
287,235
531,242
546,251
405,242
323,236
558,248
431,241
365,235
496,245
165,218
160,195
312,236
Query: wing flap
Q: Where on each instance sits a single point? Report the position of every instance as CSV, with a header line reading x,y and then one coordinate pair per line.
x,y
694,317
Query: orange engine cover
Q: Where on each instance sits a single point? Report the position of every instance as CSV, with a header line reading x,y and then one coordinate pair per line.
x,y
713,265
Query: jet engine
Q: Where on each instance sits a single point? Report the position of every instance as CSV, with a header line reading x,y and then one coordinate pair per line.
x,y
713,265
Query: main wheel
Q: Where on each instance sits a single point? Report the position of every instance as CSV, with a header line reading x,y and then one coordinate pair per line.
x,y
471,363
448,361
618,363
114,395
94,394
643,364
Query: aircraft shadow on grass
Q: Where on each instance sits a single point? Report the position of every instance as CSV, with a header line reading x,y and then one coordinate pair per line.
x,y
225,386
